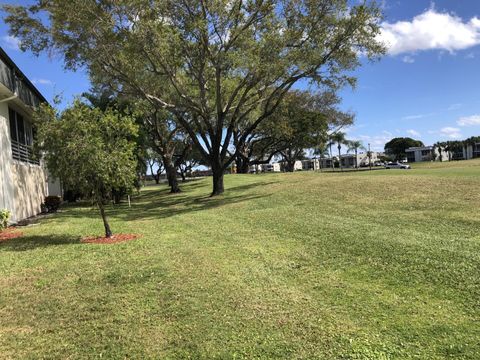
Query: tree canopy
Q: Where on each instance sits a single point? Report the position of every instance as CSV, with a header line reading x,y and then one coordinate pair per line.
x,y
397,146
90,150
216,65
302,121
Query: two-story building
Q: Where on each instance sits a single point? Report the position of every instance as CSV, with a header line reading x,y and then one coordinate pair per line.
x,y
425,153
23,179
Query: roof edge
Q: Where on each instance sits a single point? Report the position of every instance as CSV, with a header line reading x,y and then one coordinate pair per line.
x,y
8,60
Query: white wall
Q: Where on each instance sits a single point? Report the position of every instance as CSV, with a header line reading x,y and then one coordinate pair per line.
x,y
54,187
22,186
6,176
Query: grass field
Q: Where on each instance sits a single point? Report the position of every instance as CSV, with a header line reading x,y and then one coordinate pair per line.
x,y
368,265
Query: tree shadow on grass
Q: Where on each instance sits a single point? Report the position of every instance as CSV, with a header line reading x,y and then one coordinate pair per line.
x,y
160,204
153,204
30,242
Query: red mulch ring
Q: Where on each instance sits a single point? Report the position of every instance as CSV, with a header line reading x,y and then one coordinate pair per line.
x,y
10,233
116,238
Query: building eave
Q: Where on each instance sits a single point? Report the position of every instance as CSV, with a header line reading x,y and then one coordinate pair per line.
x,y
11,64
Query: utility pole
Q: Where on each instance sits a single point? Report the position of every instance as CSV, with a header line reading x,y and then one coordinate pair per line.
x,y
369,157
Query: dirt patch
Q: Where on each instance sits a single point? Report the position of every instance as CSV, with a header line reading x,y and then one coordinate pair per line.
x,y
10,233
111,240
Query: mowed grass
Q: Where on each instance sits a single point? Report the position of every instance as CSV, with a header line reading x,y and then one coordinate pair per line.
x,y
368,265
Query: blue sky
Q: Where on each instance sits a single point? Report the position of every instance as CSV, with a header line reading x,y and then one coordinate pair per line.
x,y
427,87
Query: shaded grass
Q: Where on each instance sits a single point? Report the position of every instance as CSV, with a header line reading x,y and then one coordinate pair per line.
x,y
367,265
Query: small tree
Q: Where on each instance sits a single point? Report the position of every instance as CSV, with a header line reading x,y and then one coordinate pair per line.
x,y
189,161
321,150
155,165
339,138
90,149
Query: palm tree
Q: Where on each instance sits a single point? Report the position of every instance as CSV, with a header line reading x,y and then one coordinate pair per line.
x,y
321,150
355,145
448,148
441,146
339,138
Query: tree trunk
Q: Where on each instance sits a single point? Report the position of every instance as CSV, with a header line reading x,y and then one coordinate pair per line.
x,y
331,158
356,159
218,187
340,158
289,166
242,165
172,180
108,232
171,172
182,174
157,178
151,172
244,169
117,197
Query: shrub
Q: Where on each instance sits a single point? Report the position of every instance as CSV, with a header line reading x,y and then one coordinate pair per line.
x,y
72,196
4,217
52,203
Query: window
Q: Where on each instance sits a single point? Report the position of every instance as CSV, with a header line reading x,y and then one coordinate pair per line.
x,y
21,134
426,152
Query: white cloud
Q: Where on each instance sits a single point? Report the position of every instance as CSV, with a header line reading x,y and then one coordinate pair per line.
x,y
42,82
470,56
451,132
413,133
408,59
454,107
417,116
11,42
469,120
431,30
377,142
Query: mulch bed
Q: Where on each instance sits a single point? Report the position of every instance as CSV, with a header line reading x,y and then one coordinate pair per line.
x,y
116,238
10,233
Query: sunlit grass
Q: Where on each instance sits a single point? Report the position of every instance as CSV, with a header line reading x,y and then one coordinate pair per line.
x,y
361,265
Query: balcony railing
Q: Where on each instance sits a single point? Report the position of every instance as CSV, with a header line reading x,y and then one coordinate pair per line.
x,y
22,152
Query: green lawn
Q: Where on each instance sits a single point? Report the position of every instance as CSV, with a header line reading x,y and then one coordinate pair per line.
x,y
359,265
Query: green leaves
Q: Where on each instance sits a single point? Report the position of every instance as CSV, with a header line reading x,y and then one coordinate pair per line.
x,y
397,146
90,150
219,66
4,217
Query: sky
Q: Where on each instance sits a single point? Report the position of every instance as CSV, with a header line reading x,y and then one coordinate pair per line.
x,y
427,86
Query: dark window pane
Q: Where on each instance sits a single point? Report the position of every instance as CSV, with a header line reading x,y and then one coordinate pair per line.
x,y
21,129
13,126
28,134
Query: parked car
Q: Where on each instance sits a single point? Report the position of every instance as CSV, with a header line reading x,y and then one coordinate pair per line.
x,y
396,165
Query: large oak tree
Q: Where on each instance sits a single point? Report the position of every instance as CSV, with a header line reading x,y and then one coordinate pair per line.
x,y
211,63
